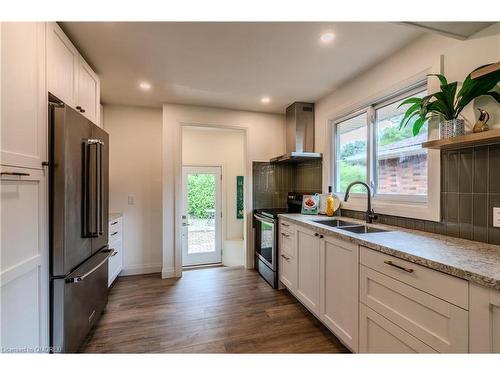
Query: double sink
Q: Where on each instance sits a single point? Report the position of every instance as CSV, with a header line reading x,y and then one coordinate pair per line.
x,y
349,226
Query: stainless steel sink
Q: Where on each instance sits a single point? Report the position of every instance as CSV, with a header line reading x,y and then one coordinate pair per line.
x,y
335,223
362,229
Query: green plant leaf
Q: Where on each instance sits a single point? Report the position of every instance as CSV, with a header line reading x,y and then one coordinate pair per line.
x,y
403,124
409,111
417,125
410,101
473,88
441,77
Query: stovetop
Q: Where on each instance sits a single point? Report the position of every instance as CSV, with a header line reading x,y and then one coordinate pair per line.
x,y
274,212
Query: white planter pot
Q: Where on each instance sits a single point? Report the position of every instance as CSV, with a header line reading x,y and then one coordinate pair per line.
x,y
451,128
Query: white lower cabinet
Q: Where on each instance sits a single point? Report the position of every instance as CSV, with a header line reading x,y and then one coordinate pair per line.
x,y
339,289
379,335
24,274
437,323
287,264
115,263
484,320
308,247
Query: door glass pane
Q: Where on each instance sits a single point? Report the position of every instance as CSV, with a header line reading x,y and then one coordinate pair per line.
x,y
401,166
351,153
201,212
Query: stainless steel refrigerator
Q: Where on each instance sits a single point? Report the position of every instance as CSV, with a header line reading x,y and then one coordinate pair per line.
x,y
78,175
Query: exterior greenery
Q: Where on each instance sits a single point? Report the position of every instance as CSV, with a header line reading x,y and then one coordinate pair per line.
x,y
201,195
447,103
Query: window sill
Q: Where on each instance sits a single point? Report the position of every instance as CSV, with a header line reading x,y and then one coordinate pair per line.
x,y
415,210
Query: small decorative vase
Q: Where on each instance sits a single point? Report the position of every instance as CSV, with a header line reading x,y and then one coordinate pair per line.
x,y
452,128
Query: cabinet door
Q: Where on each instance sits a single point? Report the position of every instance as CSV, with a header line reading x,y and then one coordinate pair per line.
x,y
484,319
287,267
339,289
23,94
88,101
308,269
24,274
378,335
62,65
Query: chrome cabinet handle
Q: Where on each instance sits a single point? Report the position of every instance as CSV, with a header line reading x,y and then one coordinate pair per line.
x,y
390,263
285,257
114,253
114,222
114,233
284,234
19,174
285,224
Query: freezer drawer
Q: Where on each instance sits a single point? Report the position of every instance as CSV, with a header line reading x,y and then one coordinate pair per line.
x,y
78,301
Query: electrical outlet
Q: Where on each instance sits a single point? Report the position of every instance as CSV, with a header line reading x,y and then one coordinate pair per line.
x,y
496,216
131,200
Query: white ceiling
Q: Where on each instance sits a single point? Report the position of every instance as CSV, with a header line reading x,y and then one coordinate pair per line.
x,y
231,65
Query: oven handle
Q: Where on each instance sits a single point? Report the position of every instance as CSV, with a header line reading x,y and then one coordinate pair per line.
x,y
265,219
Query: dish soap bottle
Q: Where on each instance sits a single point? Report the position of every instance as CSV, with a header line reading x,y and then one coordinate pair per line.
x,y
329,202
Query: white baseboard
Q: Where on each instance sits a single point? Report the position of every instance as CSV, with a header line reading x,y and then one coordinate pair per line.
x,y
141,269
168,273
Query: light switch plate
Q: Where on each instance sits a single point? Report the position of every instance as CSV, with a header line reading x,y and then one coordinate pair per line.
x,y
496,216
131,200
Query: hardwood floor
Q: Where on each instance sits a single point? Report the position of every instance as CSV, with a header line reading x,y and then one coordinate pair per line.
x,y
214,310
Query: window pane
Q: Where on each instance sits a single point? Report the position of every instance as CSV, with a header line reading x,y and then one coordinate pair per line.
x,y
351,152
401,166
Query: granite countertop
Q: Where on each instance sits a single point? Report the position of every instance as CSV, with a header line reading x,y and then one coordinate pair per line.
x,y
475,261
114,215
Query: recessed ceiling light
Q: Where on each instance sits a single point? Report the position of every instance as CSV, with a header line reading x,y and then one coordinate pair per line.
x,y
145,86
327,37
265,99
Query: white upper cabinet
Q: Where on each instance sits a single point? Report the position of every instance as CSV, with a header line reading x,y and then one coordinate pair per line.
x,y
23,94
69,77
62,65
88,92
339,289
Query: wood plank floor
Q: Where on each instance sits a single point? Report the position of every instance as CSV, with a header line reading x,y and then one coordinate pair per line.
x,y
213,310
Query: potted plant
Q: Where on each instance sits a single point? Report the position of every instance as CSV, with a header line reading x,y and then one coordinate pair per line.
x,y
448,104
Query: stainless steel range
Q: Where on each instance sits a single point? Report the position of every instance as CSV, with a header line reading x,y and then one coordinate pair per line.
x,y
266,237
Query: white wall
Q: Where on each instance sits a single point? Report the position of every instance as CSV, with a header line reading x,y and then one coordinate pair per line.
x,y
264,138
428,54
206,146
135,168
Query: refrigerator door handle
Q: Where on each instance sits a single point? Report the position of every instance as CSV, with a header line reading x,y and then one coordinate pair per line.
x,y
80,278
101,206
86,189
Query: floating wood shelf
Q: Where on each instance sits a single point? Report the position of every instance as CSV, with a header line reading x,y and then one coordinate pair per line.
x,y
468,140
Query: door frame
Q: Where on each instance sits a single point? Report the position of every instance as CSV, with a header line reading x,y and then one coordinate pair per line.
x,y
219,217
172,195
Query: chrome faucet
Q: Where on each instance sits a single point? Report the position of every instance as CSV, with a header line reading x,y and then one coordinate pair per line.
x,y
370,214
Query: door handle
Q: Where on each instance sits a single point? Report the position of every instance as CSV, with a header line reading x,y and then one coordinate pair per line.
x,y
79,279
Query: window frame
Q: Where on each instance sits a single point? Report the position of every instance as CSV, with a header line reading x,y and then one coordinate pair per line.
x,y
371,122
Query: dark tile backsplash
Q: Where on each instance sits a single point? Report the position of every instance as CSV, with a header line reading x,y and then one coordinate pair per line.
x,y
273,181
470,188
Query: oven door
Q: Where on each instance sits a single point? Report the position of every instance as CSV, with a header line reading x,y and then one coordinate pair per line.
x,y
265,240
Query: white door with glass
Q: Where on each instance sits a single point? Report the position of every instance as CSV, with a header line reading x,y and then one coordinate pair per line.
x,y
201,219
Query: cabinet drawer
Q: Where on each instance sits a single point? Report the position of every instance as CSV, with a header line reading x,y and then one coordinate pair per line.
x,y
378,335
437,323
115,262
286,243
448,288
286,226
115,230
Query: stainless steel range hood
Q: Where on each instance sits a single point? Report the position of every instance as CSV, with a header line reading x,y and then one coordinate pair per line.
x,y
299,134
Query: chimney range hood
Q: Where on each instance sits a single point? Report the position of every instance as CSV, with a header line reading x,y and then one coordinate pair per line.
x,y
299,134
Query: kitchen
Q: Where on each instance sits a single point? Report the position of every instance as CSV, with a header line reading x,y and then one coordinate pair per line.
x,y
172,204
